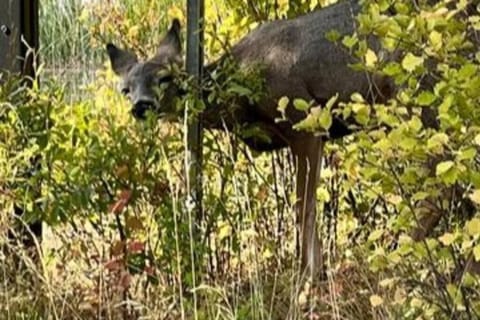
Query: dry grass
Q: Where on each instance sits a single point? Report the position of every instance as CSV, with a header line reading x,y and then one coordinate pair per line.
x,y
74,280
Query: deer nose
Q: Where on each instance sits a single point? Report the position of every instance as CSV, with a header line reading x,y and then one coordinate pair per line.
x,y
140,109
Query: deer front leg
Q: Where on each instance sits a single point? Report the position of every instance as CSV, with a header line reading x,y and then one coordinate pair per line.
x,y
308,154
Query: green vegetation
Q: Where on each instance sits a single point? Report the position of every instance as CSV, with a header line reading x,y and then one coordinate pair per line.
x,y
112,190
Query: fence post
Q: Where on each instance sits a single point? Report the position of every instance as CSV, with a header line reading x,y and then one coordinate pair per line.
x,y
18,46
194,59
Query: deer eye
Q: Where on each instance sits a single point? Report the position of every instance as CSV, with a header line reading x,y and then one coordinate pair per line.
x,y
125,91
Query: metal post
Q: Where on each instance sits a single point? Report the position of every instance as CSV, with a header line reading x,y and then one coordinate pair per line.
x,y
18,40
195,16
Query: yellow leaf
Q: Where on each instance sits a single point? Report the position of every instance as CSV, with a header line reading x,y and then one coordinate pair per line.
x,y
437,141
302,298
410,62
133,32
400,296
475,196
376,300
473,227
387,283
435,38
394,199
224,231
357,97
476,252
477,139
447,239
282,104
176,12
443,167
375,235
417,303
370,58
267,254
83,17
323,195
326,173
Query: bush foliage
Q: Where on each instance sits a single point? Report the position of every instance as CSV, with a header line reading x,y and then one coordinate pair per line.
x,y
112,190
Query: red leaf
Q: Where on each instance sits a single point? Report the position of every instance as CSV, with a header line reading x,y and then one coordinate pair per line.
x,y
126,195
149,270
125,280
117,248
121,203
136,246
113,265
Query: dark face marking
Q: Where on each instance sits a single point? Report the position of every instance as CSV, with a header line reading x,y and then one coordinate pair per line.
x,y
149,85
147,89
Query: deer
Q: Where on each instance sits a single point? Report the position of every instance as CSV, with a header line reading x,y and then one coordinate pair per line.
x,y
297,61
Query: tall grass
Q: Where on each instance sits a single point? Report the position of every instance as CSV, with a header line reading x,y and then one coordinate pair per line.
x,y
65,46
64,37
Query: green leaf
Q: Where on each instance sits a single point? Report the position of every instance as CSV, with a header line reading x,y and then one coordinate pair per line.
x,y
467,71
282,104
475,178
467,154
421,195
333,35
443,167
309,123
408,143
325,119
257,132
241,90
350,41
411,62
362,113
426,98
446,104
451,176
331,102
415,124
392,69
452,290
301,104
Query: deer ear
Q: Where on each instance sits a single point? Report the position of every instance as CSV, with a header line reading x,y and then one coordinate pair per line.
x,y
121,60
170,47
